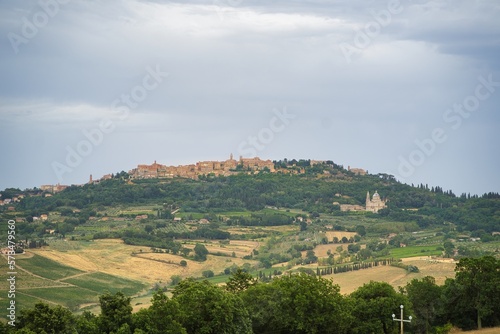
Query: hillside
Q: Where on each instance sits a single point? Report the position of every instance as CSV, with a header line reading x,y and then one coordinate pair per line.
x,y
142,234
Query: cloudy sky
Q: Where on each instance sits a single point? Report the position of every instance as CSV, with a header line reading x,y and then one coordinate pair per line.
x,y
410,87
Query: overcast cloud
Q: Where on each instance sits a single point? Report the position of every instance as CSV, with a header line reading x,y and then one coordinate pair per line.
x,y
363,82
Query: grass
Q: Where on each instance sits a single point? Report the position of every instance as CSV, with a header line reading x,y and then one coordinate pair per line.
x,y
47,268
70,297
101,283
414,251
22,301
24,280
219,279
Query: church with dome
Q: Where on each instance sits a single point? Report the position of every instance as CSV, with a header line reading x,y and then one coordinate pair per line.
x,y
375,203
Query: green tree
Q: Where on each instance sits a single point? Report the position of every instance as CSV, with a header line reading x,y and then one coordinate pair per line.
x,y
310,257
207,273
373,303
87,323
364,254
43,319
175,279
200,252
479,281
303,226
160,318
360,229
448,248
353,248
206,308
458,312
240,281
185,251
115,312
425,298
297,304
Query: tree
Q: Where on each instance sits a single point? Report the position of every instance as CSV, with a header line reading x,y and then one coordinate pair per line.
x,y
424,296
240,281
185,251
297,304
200,252
353,248
87,323
448,248
310,257
45,319
175,279
208,273
373,304
360,229
303,226
115,312
479,281
183,263
160,318
206,308
364,254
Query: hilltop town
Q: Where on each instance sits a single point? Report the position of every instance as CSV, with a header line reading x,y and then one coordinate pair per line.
x,y
224,168
227,167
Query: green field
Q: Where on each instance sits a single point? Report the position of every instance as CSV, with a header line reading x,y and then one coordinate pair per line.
x,y
70,297
24,280
41,266
58,286
22,301
101,283
413,251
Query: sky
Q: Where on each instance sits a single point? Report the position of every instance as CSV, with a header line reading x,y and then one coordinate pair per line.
x,y
409,88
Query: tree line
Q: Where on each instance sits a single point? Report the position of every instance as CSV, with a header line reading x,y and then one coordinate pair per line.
x,y
293,303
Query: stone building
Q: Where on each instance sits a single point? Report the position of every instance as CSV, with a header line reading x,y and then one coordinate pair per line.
x,y
375,203
225,168
357,171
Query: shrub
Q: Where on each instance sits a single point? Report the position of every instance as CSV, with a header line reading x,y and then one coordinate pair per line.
x,y
208,273
175,279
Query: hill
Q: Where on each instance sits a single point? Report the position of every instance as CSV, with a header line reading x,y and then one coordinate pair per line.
x,y
299,217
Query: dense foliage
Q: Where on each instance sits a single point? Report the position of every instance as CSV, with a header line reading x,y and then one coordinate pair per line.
x,y
299,303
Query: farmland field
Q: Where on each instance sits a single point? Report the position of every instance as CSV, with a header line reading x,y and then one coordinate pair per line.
x,y
24,280
100,283
70,297
46,268
322,250
41,279
22,301
352,280
413,251
113,257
